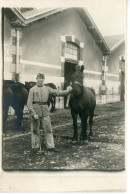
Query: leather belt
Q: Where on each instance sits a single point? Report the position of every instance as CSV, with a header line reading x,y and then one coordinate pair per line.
x,y
40,103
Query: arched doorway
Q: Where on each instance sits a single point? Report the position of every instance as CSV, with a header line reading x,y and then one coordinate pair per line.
x,y
71,54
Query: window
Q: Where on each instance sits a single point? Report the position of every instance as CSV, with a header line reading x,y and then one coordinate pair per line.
x,y
71,51
14,40
14,59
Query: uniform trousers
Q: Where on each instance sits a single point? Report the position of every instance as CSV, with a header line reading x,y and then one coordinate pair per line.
x,y
47,129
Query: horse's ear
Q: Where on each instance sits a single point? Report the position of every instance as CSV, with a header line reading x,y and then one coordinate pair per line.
x,y
82,68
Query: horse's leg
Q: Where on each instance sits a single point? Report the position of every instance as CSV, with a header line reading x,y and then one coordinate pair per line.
x,y
52,109
54,102
5,115
84,118
81,133
48,102
91,123
74,117
19,114
65,101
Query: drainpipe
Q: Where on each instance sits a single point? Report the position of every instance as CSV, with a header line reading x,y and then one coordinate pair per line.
x,y
17,55
122,78
104,70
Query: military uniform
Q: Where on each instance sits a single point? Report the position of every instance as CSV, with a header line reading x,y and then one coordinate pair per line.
x,y
37,105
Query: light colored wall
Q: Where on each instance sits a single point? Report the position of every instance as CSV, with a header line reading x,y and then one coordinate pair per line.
x,y
7,49
113,60
42,42
113,82
42,39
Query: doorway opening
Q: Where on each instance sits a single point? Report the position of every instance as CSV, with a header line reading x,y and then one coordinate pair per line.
x,y
68,71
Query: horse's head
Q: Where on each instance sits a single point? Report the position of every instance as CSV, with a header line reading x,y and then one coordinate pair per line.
x,y
77,80
29,85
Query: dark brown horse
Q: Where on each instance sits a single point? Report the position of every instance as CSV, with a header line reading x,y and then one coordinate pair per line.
x,y
7,99
14,95
51,99
82,102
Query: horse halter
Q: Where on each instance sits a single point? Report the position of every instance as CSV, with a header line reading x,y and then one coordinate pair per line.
x,y
78,83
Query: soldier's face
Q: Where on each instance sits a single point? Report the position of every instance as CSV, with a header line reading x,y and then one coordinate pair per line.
x,y
40,80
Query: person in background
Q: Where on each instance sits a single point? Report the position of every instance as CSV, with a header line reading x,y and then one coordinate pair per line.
x,y
66,84
39,112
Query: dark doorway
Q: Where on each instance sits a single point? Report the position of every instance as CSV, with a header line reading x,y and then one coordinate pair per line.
x,y
68,71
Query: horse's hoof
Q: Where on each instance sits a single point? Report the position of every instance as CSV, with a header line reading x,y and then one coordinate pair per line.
x,y
90,134
66,107
90,138
74,138
85,141
81,138
74,141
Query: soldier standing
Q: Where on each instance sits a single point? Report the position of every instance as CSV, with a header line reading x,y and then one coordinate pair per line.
x,y
38,108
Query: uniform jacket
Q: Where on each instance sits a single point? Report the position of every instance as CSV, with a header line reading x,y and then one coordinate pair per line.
x,y
41,94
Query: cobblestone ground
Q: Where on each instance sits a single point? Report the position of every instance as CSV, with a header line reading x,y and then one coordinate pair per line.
x,y
105,151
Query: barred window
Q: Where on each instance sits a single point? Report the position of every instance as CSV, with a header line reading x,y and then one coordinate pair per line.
x,y
71,50
14,40
14,59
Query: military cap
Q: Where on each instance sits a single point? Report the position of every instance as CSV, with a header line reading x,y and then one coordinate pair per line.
x,y
41,75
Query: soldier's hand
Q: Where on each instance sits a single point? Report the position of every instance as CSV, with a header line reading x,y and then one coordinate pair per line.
x,y
36,117
69,88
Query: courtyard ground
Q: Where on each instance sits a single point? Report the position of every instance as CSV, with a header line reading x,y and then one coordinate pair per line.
x,y
105,151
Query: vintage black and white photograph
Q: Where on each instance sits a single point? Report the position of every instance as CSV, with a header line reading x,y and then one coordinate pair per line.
x,y
64,87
